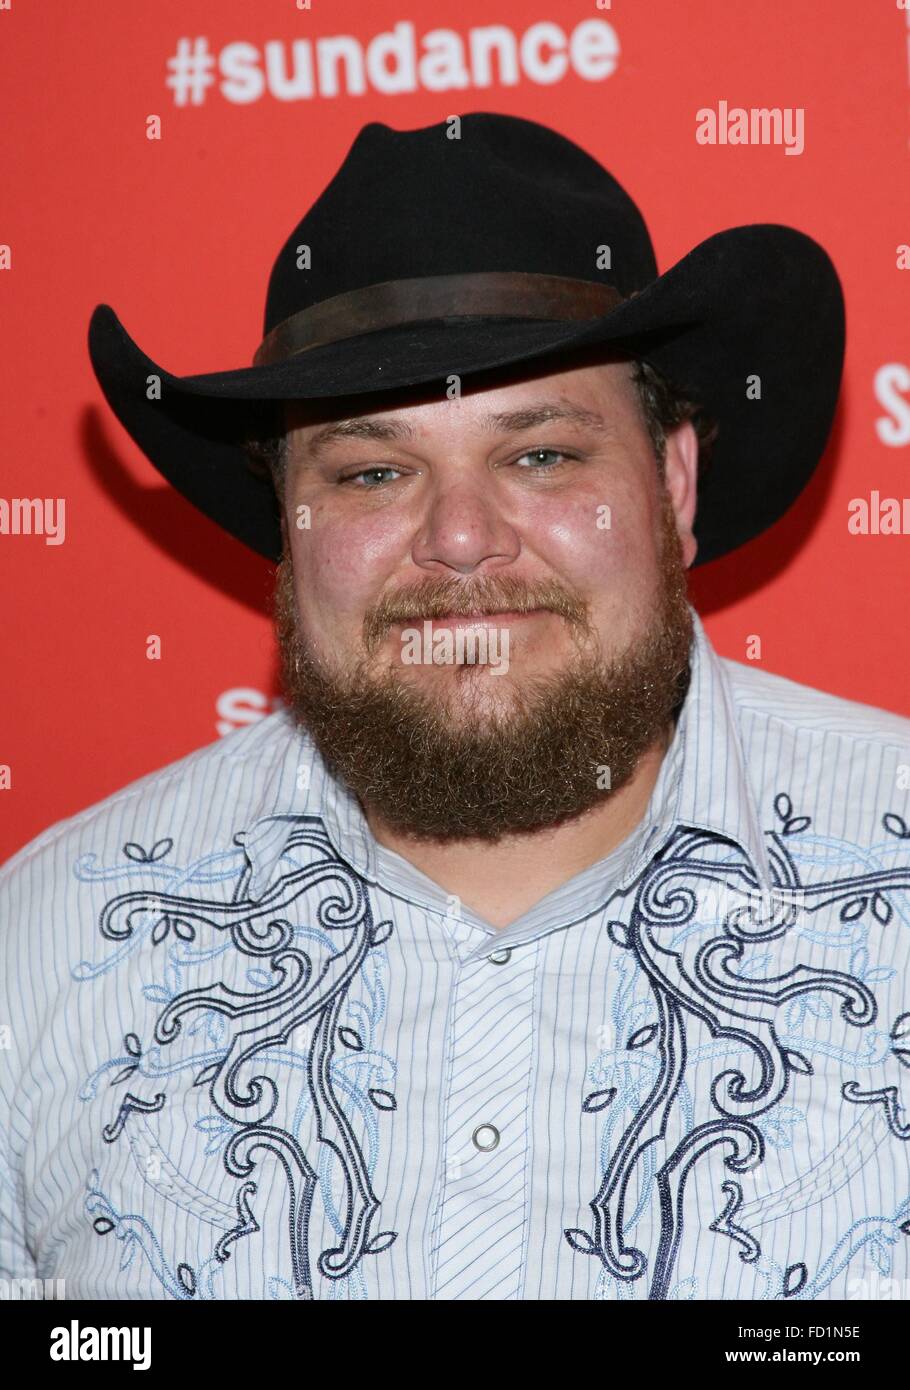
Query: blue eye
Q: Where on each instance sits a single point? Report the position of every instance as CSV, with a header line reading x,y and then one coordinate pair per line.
x,y
547,461
544,468
366,473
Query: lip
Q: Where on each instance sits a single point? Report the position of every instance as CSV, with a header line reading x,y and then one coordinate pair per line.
x,y
477,619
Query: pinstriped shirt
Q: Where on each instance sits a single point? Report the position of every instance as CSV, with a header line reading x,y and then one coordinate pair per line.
x,y
247,1052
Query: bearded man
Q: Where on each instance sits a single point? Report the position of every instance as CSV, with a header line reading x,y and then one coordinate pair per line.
x,y
577,974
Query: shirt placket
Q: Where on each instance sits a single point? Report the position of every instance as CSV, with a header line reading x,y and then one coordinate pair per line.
x,y
480,1231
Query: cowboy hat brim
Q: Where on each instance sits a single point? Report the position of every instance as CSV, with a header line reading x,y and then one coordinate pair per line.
x,y
754,304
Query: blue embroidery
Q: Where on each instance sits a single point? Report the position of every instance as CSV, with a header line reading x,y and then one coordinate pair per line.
x,y
725,984
877,1235
247,1038
135,1233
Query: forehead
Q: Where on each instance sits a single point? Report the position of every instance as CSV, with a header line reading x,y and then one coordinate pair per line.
x,y
593,395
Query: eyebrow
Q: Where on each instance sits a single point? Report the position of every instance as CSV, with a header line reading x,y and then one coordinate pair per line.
x,y
525,418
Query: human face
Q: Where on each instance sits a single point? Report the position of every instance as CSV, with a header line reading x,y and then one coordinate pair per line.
x,y
491,503
541,493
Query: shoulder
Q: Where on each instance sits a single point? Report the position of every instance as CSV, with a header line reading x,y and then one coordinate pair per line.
x,y
801,709
172,832
810,754
189,792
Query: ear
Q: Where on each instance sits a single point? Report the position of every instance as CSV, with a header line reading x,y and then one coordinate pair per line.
x,y
681,480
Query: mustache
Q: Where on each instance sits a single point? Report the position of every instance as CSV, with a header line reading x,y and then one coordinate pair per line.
x,y
450,597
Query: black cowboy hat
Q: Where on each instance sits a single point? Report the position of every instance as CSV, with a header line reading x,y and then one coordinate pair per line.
x,y
485,241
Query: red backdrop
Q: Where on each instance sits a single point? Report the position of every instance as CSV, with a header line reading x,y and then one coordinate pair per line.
x,y
179,233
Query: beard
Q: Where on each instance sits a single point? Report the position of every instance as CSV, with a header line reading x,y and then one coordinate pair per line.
x,y
454,763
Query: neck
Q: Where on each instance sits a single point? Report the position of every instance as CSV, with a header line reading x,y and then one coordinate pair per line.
x,y
502,881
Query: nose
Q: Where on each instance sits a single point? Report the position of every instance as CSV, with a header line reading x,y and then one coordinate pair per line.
x,y
464,529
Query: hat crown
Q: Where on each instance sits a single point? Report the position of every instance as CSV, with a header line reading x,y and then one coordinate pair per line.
x,y
507,194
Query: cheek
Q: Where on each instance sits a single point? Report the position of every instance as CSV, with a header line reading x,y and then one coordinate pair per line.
x,y
593,535
340,566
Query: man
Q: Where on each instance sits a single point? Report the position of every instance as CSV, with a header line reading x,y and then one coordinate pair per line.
x,y
534,952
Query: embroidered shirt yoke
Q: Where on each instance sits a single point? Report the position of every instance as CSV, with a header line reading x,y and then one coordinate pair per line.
x,y
249,1053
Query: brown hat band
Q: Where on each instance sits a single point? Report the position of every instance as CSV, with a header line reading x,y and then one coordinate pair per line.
x,y
506,293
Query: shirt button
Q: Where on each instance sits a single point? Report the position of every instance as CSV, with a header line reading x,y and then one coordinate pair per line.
x,y
500,957
485,1138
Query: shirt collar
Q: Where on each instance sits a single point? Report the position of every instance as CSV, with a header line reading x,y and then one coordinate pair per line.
x,y
704,779
703,783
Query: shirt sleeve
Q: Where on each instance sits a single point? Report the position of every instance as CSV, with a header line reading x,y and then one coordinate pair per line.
x,y
16,1259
